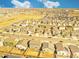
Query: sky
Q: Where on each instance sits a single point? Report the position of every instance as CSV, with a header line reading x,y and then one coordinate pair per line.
x,y
39,3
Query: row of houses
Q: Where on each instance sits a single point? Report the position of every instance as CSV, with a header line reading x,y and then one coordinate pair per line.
x,y
39,48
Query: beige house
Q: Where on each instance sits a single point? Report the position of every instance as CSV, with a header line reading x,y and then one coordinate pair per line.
x,y
34,48
35,44
74,51
22,44
47,50
62,52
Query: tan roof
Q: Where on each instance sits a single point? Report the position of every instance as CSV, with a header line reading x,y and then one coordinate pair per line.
x,y
45,45
74,48
59,47
23,42
35,44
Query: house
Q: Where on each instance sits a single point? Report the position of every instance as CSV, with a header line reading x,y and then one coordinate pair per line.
x,y
22,44
62,52
74,51
47,50
34,48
